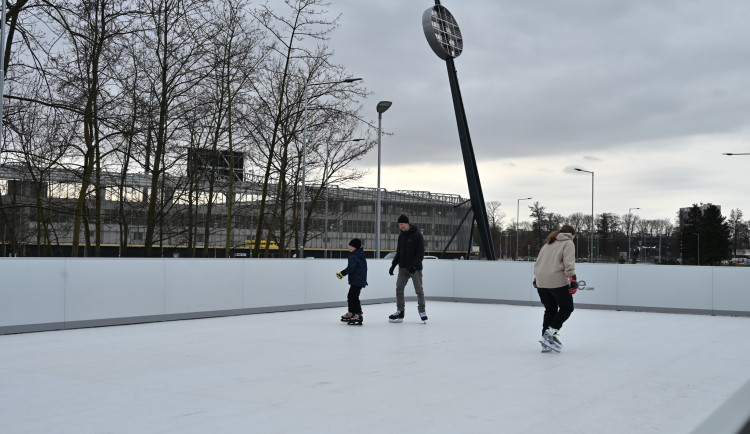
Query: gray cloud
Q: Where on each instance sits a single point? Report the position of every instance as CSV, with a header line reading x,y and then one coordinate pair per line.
x,y
572,79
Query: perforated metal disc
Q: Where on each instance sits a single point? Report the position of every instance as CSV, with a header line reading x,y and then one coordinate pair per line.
x,y
442,32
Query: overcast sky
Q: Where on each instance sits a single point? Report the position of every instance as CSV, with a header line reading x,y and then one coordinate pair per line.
x,y
646,94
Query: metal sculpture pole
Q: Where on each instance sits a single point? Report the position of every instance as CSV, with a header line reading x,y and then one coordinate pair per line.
x,y
444,37
2,73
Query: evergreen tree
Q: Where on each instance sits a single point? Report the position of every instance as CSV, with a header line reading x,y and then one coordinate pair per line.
x,y
715,234
689,235
704,236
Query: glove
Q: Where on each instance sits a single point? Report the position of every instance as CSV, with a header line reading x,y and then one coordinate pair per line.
x,y
340,275
573,285
412,269
390,270
535,284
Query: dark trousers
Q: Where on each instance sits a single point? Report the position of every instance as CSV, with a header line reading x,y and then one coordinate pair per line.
x,y
558,305
352,298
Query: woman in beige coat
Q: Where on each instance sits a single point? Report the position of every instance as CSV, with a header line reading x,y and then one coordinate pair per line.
x,y
555,280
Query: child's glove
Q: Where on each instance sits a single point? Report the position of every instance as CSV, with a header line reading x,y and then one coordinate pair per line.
x,y
535,284
340,275
390,270
573,285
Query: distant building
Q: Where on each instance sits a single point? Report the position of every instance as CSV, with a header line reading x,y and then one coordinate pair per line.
x,y
39,215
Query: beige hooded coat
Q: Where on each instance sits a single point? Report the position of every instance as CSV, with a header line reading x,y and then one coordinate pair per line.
x,y
556,262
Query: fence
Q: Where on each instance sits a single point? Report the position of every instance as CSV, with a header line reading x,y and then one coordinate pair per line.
x,y
64,293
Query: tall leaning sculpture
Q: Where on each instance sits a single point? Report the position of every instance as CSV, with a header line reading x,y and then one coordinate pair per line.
x,y
444,37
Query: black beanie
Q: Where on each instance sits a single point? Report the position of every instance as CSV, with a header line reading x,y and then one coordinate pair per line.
x,y
403,219
356,243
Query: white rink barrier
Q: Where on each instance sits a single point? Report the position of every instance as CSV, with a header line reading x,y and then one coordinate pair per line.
x,y
39,294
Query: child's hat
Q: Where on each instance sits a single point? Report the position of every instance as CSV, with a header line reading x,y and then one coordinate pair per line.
x,y
356,243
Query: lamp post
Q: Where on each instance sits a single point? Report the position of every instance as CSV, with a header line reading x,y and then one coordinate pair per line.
x,y
699,247
381,108
591,256
304,161
324,181
631,229
518,208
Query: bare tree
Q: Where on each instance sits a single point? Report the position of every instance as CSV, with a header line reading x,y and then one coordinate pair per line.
x,y
173,43
735,226
554,221
496,217
629,222
90,30
41,141
234,56
292,69
28,36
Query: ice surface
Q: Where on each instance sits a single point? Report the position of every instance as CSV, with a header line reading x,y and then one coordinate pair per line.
x,y
472,368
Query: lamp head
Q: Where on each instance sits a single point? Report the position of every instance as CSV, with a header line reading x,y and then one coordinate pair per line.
x,y
383,106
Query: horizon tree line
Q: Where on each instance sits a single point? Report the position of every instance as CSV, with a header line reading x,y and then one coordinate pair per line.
x,y
703,231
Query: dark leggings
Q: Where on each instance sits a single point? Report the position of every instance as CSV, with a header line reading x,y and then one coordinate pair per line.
x,y
352,298
558,305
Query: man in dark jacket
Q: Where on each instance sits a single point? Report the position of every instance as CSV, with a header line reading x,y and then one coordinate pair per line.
x,y
409,255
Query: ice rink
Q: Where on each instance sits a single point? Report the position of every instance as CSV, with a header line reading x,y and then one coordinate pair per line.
x,y
472,368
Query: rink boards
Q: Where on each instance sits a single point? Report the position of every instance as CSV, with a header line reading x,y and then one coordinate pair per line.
x,y
52,294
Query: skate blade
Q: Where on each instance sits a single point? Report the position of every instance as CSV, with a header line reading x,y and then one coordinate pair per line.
x,y
396,320
546,345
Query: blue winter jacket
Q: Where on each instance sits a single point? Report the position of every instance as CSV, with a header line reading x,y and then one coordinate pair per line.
x,y
356,270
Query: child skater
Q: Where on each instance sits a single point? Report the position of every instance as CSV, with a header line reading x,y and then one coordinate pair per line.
x,y
357,272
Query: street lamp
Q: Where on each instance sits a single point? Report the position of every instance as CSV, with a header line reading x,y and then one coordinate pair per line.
x,y
304,161
518,208
591,256
631,230
325,170
381,108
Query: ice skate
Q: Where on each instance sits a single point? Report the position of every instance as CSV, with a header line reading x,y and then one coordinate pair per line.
x,y
545,349
551,340
423,317
345,317
398,316
356,319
